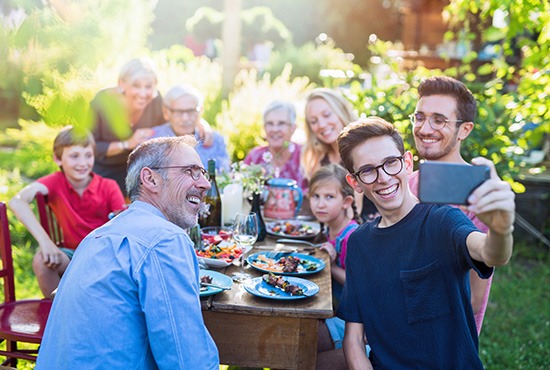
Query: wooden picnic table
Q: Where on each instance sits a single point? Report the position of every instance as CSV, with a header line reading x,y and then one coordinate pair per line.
x,y
252,331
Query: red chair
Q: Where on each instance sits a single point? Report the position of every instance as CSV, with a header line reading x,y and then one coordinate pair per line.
x,y
48,220
20,321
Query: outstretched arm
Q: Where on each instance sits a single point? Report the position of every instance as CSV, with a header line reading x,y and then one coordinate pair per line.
x,y
20,205
493,203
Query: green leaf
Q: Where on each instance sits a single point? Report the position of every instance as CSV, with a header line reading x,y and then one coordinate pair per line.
x,y
485,69
493,34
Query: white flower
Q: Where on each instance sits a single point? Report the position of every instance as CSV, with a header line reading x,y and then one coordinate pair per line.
x,y
267,157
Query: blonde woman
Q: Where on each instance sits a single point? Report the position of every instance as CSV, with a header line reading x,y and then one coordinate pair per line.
x,y
327,113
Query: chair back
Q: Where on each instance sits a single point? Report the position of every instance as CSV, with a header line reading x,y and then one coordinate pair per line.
x,y
48,220
6,273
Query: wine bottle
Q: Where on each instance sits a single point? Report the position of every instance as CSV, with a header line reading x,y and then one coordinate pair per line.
x,y
211,210
262,231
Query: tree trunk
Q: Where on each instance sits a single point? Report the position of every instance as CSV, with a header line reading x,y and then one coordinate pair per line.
x,y
231,38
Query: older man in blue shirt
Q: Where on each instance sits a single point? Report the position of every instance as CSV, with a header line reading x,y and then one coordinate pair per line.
x,y
183,107
130,297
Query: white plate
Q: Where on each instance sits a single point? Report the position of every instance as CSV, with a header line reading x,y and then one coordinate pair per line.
x,y
214,263
218,263
315,228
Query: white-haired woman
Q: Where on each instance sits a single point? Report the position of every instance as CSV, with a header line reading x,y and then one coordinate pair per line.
x,y
281,156
124,116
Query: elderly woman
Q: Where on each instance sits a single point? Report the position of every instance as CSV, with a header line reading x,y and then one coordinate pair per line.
x,y
281,156
183,107
124,116
327,113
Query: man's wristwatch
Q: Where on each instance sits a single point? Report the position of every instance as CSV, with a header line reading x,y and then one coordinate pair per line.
x,y
123,145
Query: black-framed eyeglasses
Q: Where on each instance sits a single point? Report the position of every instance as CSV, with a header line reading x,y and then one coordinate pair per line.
x,y
391,166
436,121
181,112
192,170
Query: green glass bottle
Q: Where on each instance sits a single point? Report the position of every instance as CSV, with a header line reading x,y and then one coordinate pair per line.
x,y
211,211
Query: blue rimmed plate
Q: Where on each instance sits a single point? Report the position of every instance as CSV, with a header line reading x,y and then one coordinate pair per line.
x,y
308,265
299,229
260,288
218,279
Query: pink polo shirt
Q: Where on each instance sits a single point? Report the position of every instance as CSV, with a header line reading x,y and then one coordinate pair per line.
x,y
78,216
413,185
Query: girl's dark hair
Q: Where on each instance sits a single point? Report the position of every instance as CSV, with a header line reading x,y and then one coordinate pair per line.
x,y
334,172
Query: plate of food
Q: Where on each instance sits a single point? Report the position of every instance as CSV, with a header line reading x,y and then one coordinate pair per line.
x,y
283,288
215,278
219,255
284,263
294,229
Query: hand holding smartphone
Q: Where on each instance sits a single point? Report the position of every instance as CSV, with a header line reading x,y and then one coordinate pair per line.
x,y
449,183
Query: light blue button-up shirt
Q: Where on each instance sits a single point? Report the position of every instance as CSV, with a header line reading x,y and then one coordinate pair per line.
x,y
216,151
130,300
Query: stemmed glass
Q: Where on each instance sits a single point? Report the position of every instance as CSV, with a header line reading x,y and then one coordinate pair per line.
x,y
245,233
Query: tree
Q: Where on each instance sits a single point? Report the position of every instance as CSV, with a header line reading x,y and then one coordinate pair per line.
x,y
45,46
521,62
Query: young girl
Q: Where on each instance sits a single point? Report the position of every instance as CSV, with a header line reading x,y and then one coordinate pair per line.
x,y
332,203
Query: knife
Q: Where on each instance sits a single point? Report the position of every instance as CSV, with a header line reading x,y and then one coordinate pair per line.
x,y
224,287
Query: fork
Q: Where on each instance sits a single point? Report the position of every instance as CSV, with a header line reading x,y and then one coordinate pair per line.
x,y
294,241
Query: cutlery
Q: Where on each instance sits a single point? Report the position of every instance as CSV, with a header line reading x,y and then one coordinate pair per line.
x,y
286,248
295,241
224,287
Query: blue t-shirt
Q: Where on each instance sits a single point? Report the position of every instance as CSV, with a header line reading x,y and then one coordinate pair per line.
x,y
130,300
408,285
216,151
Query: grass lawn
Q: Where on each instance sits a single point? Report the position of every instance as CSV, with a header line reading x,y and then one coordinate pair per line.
x,y
516,330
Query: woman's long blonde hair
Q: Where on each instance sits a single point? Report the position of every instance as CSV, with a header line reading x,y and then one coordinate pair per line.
x,y
314,150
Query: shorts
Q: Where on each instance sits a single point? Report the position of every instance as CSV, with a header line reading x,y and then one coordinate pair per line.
x,y
336,326
69,252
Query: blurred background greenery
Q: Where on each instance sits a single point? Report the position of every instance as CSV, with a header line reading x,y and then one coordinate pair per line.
x,y
56,54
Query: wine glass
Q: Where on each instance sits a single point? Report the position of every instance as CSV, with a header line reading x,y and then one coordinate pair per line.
x,y
245,233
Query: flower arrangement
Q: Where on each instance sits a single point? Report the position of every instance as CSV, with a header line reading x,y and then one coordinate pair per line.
x,y
252,177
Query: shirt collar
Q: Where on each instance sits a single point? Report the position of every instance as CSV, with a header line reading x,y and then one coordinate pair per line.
x,y
147,207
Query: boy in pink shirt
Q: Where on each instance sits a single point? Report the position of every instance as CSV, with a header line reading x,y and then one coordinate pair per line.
x,y
80,200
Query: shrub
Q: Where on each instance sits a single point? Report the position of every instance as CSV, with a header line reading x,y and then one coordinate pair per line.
x,y
310,59
241,115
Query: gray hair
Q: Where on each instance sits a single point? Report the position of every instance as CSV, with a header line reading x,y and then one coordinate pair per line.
x,y
180,91
152,153
282,105
137,68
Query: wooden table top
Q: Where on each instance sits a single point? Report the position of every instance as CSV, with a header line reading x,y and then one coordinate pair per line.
x,y
238,300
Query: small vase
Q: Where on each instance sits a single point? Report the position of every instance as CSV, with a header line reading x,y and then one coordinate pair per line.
x,y
262,232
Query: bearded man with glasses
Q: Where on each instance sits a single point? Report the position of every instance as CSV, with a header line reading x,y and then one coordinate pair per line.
x,y
406,290
130,297
443,119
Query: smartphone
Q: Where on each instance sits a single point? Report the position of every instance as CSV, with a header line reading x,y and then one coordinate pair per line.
x,y
449,183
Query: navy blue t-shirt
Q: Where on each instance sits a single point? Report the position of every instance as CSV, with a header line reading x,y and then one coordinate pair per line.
x,y
408,285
